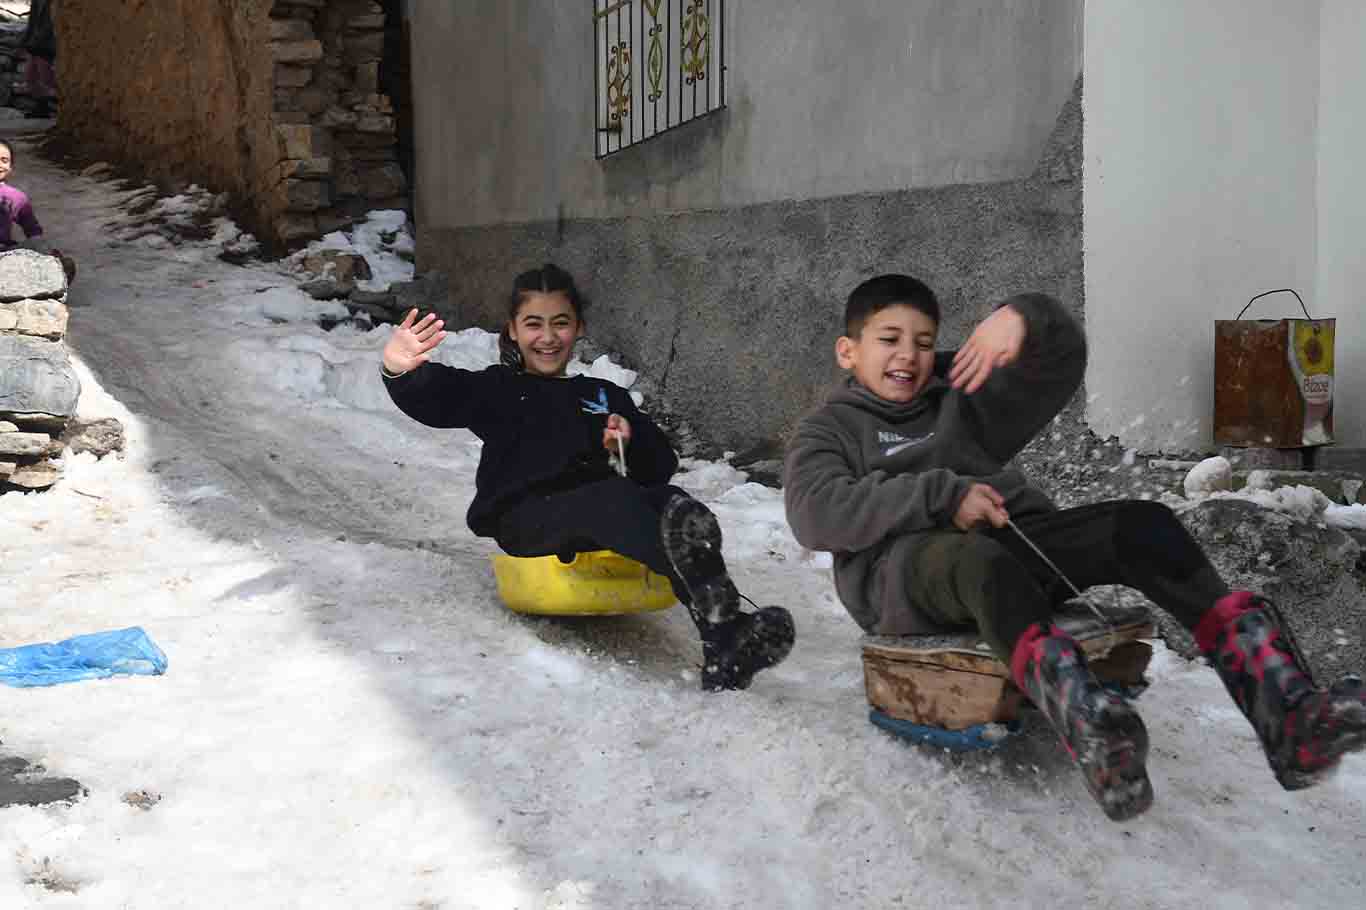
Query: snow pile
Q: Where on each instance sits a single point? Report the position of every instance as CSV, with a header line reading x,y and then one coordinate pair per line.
x,y
467,349
383,239
1349,518
341,367
1213,479
603,368
196,219
708,480
1209,476
1300,502
287,304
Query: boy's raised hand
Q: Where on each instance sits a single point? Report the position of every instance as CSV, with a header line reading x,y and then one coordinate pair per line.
x,y
618,427
996,342
410,345
982,505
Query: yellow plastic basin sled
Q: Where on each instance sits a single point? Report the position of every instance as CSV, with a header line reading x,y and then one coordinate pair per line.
x,y
600,583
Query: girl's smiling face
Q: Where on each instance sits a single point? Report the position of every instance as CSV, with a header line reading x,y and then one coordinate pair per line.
x,y
6,162
544,330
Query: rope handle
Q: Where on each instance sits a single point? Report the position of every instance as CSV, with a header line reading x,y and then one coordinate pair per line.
x,y
621,457
1112,637
1276,291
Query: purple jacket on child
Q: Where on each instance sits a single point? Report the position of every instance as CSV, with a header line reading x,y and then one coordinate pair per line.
x,y
15,207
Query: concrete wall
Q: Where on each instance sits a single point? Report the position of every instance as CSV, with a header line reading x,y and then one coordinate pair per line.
x,y
882,94
1342,205
181,91
1202,151
719,256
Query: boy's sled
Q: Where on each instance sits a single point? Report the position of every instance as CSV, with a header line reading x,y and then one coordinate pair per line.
x,y
945,691
600,583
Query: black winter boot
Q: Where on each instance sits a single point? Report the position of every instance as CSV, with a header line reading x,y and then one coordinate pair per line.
x,y
733,652
1100,730
1304,730
735,645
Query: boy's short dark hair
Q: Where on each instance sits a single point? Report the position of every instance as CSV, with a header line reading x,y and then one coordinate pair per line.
x,y
876,294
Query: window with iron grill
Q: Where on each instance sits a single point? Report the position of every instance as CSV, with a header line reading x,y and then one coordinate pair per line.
x,y
658,65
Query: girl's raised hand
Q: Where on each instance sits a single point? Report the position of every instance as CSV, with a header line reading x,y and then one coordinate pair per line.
x,y
618,427
412,342
996,342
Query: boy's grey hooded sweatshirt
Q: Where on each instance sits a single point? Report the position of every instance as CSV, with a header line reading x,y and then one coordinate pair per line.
x,y
864,477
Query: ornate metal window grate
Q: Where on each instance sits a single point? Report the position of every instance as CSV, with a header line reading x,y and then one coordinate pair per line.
x,y
657,65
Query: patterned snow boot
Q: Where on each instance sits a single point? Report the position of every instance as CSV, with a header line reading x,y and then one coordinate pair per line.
x,y
1304,730
735,645
1100,730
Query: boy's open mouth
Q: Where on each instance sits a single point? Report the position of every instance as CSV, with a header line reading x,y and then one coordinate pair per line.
x,y
900,376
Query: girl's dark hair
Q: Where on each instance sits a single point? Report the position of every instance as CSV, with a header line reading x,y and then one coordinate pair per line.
x,y
548,279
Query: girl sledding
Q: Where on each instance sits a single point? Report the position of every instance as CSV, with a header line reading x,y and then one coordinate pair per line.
x,y
546,484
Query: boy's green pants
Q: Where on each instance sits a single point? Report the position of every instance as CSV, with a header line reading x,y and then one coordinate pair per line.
x,y
991,578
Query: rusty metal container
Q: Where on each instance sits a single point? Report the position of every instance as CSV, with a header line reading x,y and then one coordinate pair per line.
x,y
1273,380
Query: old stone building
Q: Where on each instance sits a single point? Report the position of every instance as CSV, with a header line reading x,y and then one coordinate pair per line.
x,y
719,173
277,102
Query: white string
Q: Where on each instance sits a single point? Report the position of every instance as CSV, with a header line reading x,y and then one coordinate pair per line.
x,y
621,457
1113,638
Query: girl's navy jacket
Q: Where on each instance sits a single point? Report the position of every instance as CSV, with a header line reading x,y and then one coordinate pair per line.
x,y
541,435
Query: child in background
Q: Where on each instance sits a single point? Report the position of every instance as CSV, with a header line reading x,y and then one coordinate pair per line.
x,y
902,475
545,484
15,207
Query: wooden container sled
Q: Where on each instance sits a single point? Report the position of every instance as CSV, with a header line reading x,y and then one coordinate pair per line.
x,y
925,686
600,583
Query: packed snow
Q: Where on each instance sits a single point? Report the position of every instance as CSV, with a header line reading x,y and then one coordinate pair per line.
x,y
382,238
1351,517
350,718
1212,478
1209,476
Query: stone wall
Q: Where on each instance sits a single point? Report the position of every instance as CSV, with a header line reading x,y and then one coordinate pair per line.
x,y
275,103
338,128
38,388
14,88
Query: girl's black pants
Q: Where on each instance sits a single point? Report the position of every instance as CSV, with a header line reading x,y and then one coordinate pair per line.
x,y
613,514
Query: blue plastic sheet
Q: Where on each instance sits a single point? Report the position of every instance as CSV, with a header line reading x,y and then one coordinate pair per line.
x,y
94,656
973,739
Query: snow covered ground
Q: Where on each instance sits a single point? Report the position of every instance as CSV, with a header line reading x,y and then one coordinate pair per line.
x,y
350,719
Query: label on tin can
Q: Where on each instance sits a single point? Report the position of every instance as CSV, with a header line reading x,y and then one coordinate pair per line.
x,y
1311,362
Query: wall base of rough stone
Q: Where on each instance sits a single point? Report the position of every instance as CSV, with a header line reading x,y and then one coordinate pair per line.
x,y
39,388
733,314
